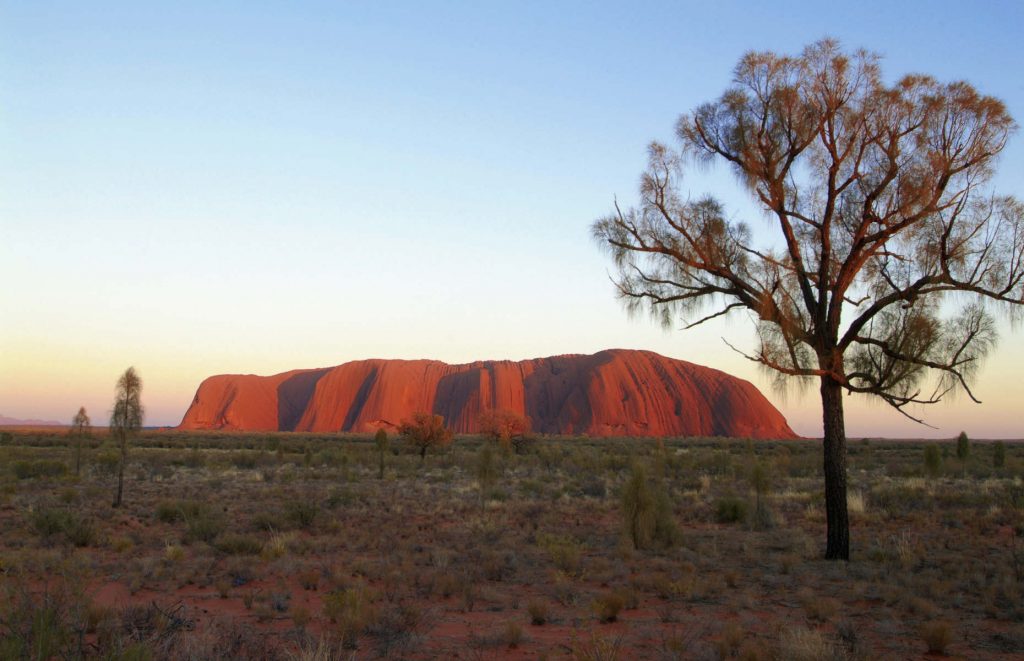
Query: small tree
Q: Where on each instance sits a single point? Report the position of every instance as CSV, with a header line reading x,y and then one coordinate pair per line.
x,y
81,427
510,429
646,512
425,431
125,420
963,446
998,454
381,441
880,199
932,459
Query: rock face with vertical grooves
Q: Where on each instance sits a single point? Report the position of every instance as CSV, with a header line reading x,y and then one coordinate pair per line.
x,y
611,393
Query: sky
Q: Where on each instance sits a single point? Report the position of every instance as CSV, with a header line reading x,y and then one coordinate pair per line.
x,y
196,188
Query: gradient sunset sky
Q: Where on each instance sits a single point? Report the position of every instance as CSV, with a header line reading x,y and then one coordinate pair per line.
x,y
245,187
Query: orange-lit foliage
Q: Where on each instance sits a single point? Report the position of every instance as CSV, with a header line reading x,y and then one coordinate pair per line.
x,y
509,428
425,431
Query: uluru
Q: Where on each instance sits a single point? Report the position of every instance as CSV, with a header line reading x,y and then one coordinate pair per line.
x,y
616,392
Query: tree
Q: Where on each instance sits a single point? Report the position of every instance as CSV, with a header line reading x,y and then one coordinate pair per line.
x,y
879,195
646,512
508,428
126,420
998,454
425,431
381,441
963,446
80,428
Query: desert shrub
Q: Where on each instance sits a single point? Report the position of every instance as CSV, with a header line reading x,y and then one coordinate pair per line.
x,y
799,644
301,513
26,470
998,454
510,429
425,431
963,446
35,626
204,526
244,460
238,544
597,648
539,611
6,438
730,509
351,611
647,513
486,469
937,635
81,531
49,521
266,520
172,511
105,462
932,459
565,552
608,605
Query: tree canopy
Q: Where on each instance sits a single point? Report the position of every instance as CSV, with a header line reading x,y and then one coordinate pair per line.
x,y
881,200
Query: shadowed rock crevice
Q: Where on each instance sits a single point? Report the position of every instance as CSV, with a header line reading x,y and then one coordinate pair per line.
x,y
293,396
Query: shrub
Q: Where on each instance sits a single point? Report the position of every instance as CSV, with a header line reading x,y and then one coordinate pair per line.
x,y
963,446
48,522
538,611
81,531
932,459
565,552
25,470
798,644
998,454
730,509
937,636
647,513
204,526
508,428
238,544
424,431
302,513
171,511
608,605
351,611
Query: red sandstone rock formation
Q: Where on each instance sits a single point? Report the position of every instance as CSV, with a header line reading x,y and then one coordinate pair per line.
x,y
611,393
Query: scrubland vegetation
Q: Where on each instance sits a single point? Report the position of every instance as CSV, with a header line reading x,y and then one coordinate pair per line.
x,y
294,546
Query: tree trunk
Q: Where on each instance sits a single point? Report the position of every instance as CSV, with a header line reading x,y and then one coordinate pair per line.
x,y
837,517
120,471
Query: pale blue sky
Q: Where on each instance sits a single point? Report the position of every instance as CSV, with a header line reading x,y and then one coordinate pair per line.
x,y
252,187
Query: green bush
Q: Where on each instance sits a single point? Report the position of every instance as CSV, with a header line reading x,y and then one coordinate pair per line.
x,y
302,513
998,454
608,605
238,544
24,470
171,511
932,459
730,509
647,513
963,446
49,521
204,526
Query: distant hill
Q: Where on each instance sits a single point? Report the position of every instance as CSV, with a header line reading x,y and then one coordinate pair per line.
x,y
15,422
611,393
